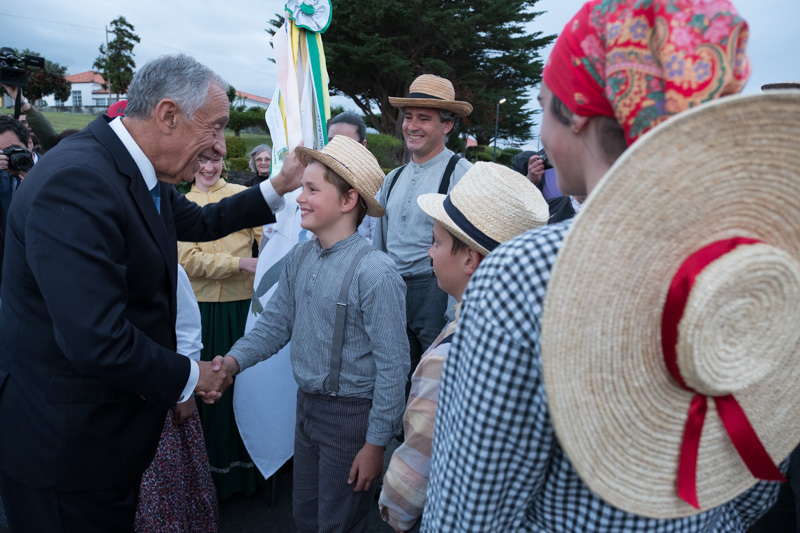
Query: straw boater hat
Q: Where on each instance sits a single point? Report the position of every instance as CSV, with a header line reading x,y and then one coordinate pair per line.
x,y
489,205
354,163
640,293
433,91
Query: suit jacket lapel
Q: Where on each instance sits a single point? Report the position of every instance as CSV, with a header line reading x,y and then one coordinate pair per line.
x,y
141,195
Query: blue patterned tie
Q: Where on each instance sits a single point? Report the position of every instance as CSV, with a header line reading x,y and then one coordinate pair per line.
x,y
155,192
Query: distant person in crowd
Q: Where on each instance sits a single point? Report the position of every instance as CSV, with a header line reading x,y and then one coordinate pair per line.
x,y
460,243
351,125
532,165
177,492
43,131
260,164
221,273
341,303
13,135
88,367
430,113
66,133
498,463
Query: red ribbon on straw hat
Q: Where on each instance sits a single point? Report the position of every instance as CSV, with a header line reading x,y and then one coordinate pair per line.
x,y
741,433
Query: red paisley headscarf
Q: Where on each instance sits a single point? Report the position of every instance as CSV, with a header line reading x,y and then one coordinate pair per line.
x,y
642,61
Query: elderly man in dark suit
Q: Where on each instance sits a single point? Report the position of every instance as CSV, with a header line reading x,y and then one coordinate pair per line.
x,y
88,365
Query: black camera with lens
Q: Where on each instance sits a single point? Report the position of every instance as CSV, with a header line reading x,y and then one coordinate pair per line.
x,y
546,160
10,73
18,158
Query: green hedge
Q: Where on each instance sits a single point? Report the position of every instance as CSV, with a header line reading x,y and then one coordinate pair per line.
x,y
504,158
386,149
239,164
235,146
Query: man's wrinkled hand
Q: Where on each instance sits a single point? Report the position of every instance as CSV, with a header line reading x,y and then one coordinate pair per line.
x,y
215,377
184,410
290,176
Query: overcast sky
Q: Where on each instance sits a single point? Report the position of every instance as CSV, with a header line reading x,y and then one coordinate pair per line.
x,y
234,43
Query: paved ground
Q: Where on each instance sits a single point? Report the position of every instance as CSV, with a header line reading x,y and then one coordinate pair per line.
x,y
260,513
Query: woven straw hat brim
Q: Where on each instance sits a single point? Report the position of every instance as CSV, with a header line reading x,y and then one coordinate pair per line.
x,y
459,107
495,199
432,205
781,85
727,168
349,160
433,92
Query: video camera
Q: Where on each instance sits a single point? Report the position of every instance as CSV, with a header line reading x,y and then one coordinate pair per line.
x,y
12,75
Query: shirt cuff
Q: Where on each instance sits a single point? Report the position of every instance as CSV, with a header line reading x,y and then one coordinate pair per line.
x,y
274,201
194,377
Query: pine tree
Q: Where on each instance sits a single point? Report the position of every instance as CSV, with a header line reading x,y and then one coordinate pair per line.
x,y
116,62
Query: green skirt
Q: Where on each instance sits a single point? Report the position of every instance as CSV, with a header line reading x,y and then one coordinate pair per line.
x,y
231,466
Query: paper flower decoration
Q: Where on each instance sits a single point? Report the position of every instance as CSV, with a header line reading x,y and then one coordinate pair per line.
x,y
312,15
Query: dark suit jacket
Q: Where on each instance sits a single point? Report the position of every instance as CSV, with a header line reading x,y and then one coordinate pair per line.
x,y
87,321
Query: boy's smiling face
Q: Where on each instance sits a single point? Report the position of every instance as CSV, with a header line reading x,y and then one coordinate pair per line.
x,y
320,202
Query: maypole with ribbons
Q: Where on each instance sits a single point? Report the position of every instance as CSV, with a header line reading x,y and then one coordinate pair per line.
x,y
265,394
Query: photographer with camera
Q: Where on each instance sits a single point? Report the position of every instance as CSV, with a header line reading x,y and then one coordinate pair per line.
x,y
16,159
533,165
33,120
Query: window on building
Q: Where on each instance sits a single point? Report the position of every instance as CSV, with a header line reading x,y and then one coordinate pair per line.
x,y
101,101
59,103
77,99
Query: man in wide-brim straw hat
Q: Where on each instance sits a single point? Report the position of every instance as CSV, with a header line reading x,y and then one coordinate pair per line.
x,y
430,113
635,368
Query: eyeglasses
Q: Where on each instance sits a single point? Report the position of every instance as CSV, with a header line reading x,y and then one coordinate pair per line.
x,y
203,161
263,159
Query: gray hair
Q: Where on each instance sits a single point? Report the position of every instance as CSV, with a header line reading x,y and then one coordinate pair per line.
x,y
257,150
179,77
348,117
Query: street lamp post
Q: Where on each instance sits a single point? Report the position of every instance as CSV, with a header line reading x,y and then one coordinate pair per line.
x,y
496,124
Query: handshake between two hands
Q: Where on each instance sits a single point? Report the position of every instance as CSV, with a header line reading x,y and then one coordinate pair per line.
x,y
215,377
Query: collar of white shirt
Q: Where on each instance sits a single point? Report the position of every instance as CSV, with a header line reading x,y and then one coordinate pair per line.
x,y
144,164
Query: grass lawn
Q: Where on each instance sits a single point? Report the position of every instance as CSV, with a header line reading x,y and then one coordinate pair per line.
x,y
252,140
64,121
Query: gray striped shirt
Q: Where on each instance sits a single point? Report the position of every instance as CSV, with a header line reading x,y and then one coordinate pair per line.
x,y
375,359
405,232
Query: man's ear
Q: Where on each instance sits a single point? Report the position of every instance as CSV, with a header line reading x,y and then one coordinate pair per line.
x,y
448,130
30,144
166,115
472,261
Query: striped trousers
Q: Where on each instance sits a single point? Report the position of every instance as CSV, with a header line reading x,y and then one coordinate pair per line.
x,y
329,432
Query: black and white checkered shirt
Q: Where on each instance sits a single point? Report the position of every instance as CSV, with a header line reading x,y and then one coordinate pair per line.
x,y
497,465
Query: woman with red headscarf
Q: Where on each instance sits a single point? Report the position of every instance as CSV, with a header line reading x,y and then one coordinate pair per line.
x,y
619,68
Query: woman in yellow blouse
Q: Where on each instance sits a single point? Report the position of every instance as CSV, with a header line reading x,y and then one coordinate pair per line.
x,y
221,273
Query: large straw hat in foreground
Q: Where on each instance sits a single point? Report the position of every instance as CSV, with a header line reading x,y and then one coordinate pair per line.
x,y
433,91
724,170
354,163
489,205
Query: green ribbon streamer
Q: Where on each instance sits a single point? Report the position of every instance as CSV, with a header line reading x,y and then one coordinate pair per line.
x,y
316,70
